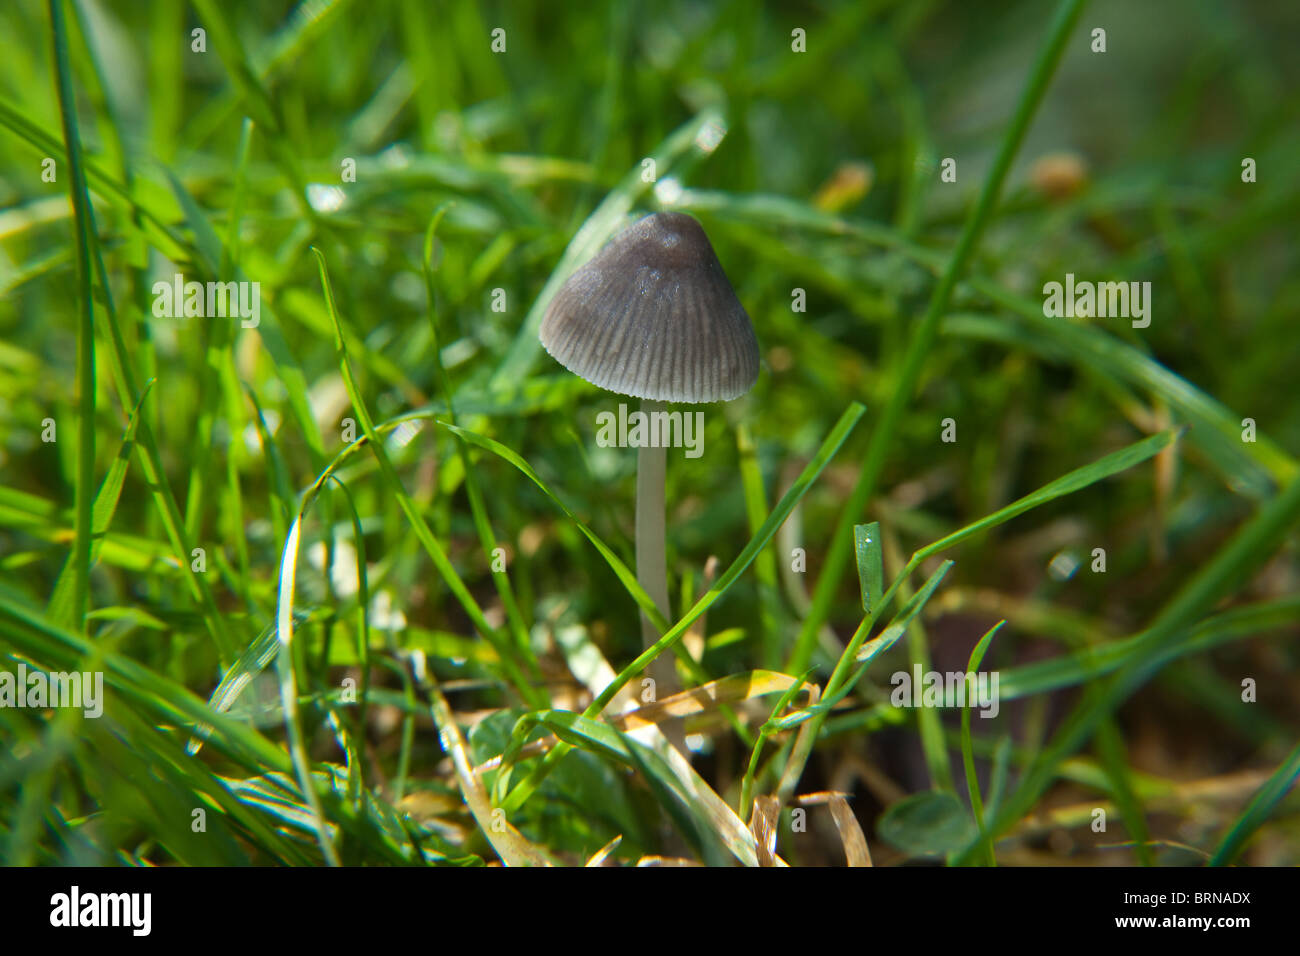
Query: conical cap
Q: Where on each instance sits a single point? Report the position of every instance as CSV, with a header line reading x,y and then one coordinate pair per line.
x,y
653,316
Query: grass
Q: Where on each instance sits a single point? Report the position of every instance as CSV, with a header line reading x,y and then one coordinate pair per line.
x,y
359,580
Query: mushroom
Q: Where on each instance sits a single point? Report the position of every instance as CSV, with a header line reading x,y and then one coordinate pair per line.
x,y
653,316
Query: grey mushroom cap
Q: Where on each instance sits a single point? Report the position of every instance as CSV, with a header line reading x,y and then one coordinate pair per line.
x,y
654,316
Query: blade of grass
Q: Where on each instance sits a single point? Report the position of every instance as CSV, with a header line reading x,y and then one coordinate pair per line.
x,y
57,648
829,447
509,843
356,769
253,94
167,240
709,813
151,461
1078,667
735,688
600,856
1216,429
845,677
1250,547
60,607
1110,750
929,720
869,651
918,350
767,730
695,831
278,488
626,577
217,380
238,677
751,479
903,620
85,387
695,702
211,252
851,835
527,691
1258,810
1067,670
487,540
289,691
871,575
967,753
616,564
763,822
1067,484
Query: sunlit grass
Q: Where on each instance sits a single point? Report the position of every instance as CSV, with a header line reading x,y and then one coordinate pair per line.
x,y
361,582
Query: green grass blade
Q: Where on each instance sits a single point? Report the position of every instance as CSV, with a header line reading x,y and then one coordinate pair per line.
x,y
1247,550
1258,810
829,447
624,574
85,241
855,659
769,727
60,607
903,620
967,752
478,509
1086,664
1110,751
1068,670
751,480
509,843
1067,484
1250,467
289,692
870,560
526,689
356,767
922,339
709,813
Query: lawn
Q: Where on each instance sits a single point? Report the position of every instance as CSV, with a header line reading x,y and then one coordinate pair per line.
x,y
994,562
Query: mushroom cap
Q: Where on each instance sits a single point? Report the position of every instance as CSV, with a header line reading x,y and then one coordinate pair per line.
x,y
653,316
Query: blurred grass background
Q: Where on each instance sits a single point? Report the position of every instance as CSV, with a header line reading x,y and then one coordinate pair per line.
x,y
817,170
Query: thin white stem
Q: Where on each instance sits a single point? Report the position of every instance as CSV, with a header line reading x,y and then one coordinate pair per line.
x,y
651,563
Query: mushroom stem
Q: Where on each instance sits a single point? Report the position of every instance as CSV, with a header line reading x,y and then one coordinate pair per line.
x,y
651,562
